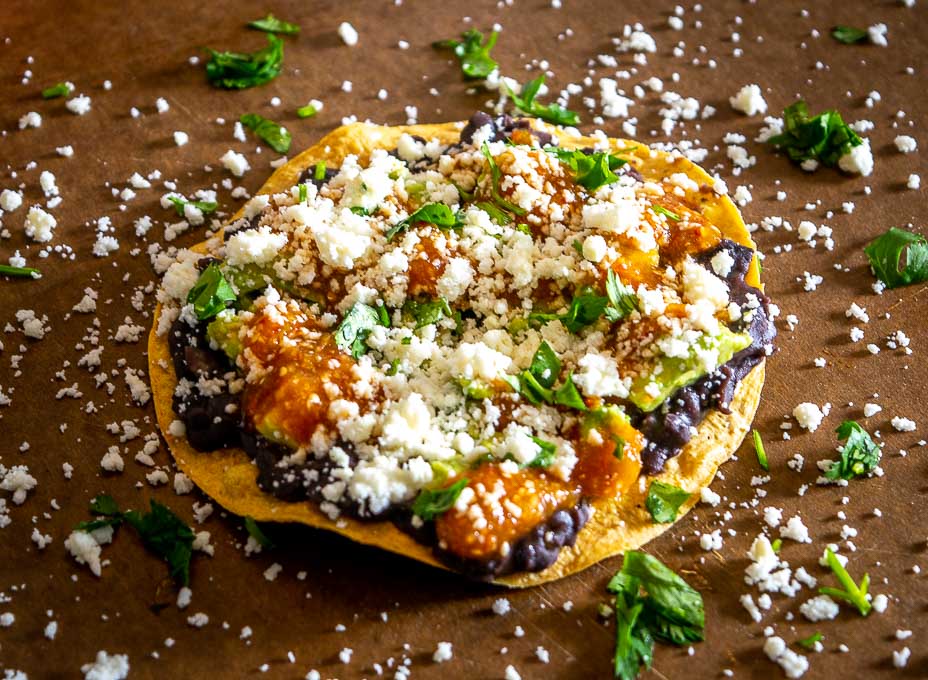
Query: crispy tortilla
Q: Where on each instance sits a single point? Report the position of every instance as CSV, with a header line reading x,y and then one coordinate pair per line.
x,y
229,477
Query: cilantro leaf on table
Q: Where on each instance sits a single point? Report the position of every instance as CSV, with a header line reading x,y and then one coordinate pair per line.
x,y
237,71
254,530
664,501
859,455
162,532
651,602
211,293
351,334
438,214
56,90
204,207
22,272
271,24
825,137
433,502
759,450
852,593
809,642
472,52
552,113
275,136
590,170
885,253
849,35
307,111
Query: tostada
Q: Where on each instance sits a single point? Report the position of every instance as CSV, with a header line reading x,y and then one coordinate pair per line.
x,y
477,345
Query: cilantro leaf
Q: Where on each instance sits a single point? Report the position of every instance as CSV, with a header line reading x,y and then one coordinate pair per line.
x,y
849,35
473,53
552,113
429,312
254,530
885,253
546,453
107,508
651,602
307,111
438,214
237,71
852,593
859,455
8,270
664,500
825,137
275,136
584,310
568,395
501,217
536,383
167,536
303,193
358,323
622,298
271,24
319,171
433,502
590,170
495,176
809,642
669,214
204,207
759,450
57,90
545,365
211,293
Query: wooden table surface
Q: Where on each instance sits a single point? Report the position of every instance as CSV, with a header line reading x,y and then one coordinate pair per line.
x,y
392,608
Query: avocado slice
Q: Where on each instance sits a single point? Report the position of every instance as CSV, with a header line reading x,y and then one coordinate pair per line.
x,y
223,331
678,372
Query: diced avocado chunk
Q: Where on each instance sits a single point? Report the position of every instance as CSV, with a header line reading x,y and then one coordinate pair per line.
x,y
223,331
671,373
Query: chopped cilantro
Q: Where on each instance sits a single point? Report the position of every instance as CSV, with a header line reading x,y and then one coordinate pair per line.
x,y
536,383
584,310
568,395
57,90
274,135
495,175
211,293
303,193
237,71
8,270
669,214
204,207
759,450
361,210
438,214
495,213
545,365
307,111
885,253
357,324
552,113
472,52
664,500
586,306
849,35
776,545
859,455
546,453
433,502
809,642
852,593
160,529
255,531
590,170
825,137
428,312
622,299
319,171
651,602
271,24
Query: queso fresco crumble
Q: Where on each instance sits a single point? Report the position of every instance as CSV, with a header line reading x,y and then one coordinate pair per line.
x,y
485,334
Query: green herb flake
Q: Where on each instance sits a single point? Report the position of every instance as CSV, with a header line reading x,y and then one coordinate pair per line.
x,y
568,395
473,53
759,450
303,193
849,35
211,293
428,312
21,272
664,500
237,71
885,255
274,135
859,455
651,603
825,137
57,90
622,298
590,170
254,530
852,593
271,24
669,214
351,334
495,174
307,111
319,171
809,642
204,207
776,545
546,452
552,113
438,214
433,502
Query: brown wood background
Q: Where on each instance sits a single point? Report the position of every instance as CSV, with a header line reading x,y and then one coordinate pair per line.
x,y
143,47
